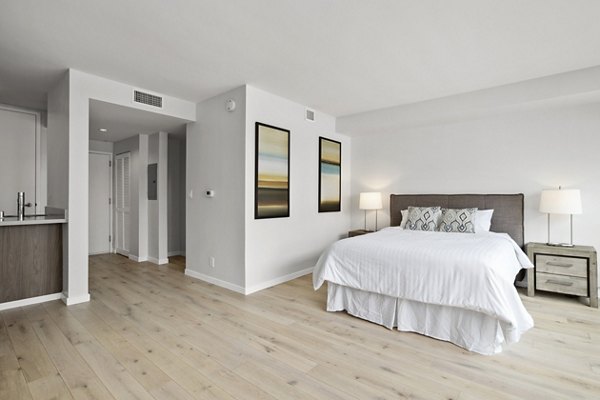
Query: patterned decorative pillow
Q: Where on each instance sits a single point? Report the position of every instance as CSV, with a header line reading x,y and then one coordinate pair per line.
x,y
458,220
422,218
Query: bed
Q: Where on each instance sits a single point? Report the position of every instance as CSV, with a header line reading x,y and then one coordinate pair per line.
x,y
456,287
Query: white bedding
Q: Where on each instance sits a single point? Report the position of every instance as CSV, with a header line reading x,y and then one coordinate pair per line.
x,y
468,271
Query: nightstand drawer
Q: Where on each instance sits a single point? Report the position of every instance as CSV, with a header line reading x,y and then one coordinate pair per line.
x,y
562,265
561,283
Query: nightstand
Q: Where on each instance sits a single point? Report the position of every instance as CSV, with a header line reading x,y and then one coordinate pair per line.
x,y
567,270
358,232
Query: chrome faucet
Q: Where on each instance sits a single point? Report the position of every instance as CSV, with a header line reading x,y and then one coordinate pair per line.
x,y
21,205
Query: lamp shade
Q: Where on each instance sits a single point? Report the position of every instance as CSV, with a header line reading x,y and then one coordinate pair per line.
x,y
561,201
370,201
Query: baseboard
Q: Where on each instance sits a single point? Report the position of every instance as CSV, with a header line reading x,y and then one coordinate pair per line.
x,y
30,301
100,252
214,281
158,261
123,253
252,289
137,259
278,281
176,253
72,300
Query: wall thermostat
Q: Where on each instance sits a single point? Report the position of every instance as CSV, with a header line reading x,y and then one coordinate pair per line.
x,y
210,193
230,105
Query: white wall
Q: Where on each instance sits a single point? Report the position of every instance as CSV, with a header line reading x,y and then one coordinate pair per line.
x,y
69,102
175,197
215,160
517,152
183,195
57,133
285,247
253,254
98,145
157,209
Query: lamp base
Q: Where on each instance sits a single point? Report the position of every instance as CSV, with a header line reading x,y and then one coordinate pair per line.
x,y
560,244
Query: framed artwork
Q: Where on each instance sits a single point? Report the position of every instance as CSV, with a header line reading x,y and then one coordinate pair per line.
x,y
272,172
330,175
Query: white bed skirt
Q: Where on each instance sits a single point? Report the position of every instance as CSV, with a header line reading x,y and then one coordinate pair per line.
x,y
468,329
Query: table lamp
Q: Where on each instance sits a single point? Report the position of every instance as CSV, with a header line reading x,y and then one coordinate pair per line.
x,y
561,201
370,201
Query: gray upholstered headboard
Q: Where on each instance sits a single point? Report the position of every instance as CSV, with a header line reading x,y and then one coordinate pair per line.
x,y
507,217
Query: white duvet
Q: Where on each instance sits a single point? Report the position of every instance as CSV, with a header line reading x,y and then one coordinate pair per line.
x,y
469,271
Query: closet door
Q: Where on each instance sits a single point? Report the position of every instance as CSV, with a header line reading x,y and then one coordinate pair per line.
x,y
100,208
122,203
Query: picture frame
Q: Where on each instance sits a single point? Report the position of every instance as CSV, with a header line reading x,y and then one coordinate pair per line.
x,y
330,175
272,172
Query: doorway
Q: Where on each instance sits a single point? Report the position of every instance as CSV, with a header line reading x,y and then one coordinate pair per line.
x,y
100,203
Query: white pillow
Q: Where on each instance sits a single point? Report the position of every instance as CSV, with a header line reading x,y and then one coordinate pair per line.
x,y
483,220
404,216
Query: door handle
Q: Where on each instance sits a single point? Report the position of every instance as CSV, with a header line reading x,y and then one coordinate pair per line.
x,y
561,283
556,264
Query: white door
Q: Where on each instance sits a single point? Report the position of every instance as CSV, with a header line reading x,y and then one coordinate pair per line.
x,y
122,203
17,159
100,203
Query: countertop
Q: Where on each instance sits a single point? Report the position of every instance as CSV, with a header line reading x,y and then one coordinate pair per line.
x,y
33,220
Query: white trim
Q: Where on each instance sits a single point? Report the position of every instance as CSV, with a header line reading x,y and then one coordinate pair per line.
x,y
101,252
214,281
279,280
176,253
32,300
253,289
121,252
158,261
70,301
136,258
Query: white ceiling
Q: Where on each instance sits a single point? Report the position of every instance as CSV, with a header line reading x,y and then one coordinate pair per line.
x,y
123,122
338,56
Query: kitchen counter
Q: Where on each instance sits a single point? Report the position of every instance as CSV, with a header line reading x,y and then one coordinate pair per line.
x,y
31,257
33,220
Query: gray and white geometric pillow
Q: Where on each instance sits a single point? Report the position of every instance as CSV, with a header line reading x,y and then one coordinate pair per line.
x,y
458,220
422,218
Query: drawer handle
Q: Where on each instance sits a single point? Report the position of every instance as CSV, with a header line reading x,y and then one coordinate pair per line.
x,y
555,264
561,283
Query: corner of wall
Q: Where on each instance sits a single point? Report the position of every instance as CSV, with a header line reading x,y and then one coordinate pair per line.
x,y
215,161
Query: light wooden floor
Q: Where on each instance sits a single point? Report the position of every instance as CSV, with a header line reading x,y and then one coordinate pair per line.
x,y
152,333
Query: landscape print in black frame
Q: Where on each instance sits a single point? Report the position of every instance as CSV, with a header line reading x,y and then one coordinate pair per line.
x,y
330,175
272,172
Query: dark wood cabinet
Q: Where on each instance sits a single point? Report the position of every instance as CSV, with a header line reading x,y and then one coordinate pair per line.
x,y
30,261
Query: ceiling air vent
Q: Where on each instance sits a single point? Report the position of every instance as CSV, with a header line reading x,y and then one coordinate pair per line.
x,y
147,98
310,115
